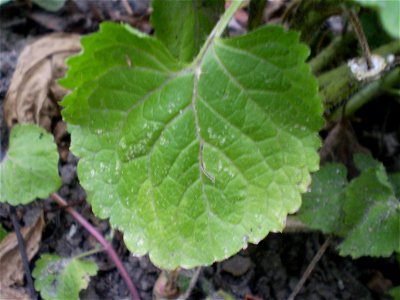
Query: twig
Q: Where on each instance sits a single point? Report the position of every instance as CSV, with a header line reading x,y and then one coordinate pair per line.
x,y
310,268
99,237
24,257
127,7
70,204
191,284
88,253
362,40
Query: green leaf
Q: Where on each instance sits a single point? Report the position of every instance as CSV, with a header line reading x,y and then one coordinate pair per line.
x,y
322,205
394,179
365,212
210,155
372,216
3,232
395,293
388,12
183,26
50,5
62,278
30,167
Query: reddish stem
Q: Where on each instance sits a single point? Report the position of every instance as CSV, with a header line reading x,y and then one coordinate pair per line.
x,y
99,237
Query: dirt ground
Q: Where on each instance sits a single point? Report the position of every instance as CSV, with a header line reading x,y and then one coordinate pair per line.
x,y
269,270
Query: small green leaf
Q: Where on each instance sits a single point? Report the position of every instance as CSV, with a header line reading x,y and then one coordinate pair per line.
x,y
62,278
183,26
3,232
372,216
30,167
322,205
365,212
208,156
50,5
388,12
364,162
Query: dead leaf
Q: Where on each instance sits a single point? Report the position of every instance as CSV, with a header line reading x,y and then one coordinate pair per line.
x,y
11,267
33,94
12,293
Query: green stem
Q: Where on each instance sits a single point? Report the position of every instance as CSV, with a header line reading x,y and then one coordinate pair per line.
x,y
218,29
368,93
88,253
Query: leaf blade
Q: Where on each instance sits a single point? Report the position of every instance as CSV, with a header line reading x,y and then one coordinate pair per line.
x,y
30,168
183,169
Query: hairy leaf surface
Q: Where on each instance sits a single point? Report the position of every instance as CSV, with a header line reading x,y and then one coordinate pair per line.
x,y
322,205
30,168
366,212
183,26
192,162
62,278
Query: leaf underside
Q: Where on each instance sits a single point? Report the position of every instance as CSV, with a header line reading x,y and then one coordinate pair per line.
x,y
62,278
192,162
30,168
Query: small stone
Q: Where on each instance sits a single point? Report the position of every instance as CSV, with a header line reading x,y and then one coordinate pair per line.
x,y
237,265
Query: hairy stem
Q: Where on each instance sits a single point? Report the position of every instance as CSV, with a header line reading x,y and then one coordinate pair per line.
x,y
362,40
24,257
99,237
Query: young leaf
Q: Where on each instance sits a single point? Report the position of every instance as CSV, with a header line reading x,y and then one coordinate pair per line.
x,y
365,212
322,205
30,167
62,278
210,155
372,214
183,26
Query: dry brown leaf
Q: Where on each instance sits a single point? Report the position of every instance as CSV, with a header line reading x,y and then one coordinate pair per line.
x,y
11,267
33,94
12,293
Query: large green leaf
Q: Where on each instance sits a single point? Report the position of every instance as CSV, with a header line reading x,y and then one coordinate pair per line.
x,y
183,26
30,168
192,162
62,278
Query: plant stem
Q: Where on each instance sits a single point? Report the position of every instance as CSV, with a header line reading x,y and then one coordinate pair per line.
x,y
99,237
88,253
218,29
192,283
362,40
368,93
24,257
310,268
